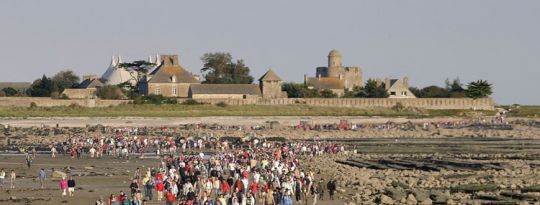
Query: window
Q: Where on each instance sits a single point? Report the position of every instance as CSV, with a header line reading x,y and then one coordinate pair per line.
x,y
158,91
174,91
173,78
403,93
392,93
244,96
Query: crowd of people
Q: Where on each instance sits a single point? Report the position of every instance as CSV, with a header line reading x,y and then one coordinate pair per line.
x,y
266,173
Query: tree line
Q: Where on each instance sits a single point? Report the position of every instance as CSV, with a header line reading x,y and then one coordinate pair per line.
x,y
372,89
221,68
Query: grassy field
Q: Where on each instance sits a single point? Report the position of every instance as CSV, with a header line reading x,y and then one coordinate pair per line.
x,y
212,110
524,111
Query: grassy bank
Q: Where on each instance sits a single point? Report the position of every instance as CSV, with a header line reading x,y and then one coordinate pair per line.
x,y
524,111
212,110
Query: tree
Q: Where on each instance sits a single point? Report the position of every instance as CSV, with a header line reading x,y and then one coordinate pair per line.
x,y
293,90
327,94
434,92
373,90
65,79
416,91
41,87
478,89
219,68
9,91
137,69
110,92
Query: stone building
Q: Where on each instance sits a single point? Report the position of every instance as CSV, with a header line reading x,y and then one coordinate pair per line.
x,y
335,76
397,88
224,91
271,85
168,79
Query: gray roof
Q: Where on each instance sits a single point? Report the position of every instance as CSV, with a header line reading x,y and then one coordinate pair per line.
x,y
91,83
244,89
330,83
164,73
270,76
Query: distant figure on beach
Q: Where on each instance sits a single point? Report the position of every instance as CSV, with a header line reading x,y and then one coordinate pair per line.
x,y
42,175
71,186
63,186
28,160
53,152
12,177
2,178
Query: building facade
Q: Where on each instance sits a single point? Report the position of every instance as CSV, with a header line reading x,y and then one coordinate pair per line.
x,y
168,79
335,76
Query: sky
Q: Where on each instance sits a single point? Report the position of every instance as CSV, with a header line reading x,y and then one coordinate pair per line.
x,y
428,41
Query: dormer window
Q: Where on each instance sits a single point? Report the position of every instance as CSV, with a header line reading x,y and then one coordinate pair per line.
x,y
173,78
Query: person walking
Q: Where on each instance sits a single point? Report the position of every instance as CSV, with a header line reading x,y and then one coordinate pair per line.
x,y
53,152
12,177
28,160
331,186
71,186
63,186
170,198
148,187
2,178
42,175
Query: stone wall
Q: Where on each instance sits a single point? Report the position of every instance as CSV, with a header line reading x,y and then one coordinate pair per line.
x,y
425,103
48,102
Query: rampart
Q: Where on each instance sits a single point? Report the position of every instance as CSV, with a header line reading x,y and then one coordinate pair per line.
x,y
425,103
49,102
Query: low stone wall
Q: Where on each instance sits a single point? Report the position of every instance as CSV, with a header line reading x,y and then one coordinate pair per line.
x,y
48,102
425,103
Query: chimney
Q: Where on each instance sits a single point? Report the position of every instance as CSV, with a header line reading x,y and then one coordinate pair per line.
x,y
89,77
169,60
386,83
305,78
406,82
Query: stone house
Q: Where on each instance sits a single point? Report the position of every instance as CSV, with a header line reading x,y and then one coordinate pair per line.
x,y
397,88
168,79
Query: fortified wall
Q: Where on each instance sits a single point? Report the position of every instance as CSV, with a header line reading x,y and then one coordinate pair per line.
x,y
425,103
49,102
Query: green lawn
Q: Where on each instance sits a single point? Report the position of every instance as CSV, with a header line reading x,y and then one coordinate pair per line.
x,y
212,110
524,111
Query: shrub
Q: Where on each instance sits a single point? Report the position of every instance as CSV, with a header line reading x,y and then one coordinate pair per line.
x,y
33,105
154,99
221,104
110,92
398,107
191,102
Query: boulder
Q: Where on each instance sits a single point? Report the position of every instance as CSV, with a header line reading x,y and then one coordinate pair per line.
x,y
411,200
58,174
386,199
426,202
396,193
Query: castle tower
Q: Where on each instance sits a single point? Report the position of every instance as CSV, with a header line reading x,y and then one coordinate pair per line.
x,y
334,63
270,85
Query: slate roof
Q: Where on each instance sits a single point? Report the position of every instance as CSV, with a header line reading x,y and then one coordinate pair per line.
x,y
331,83
244,89
91,83
270,76
164,75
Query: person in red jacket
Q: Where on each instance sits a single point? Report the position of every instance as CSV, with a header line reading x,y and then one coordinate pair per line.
x,y
225,187
170,198
159,189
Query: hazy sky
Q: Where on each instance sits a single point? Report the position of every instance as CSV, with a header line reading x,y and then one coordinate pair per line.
x,y
428,41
